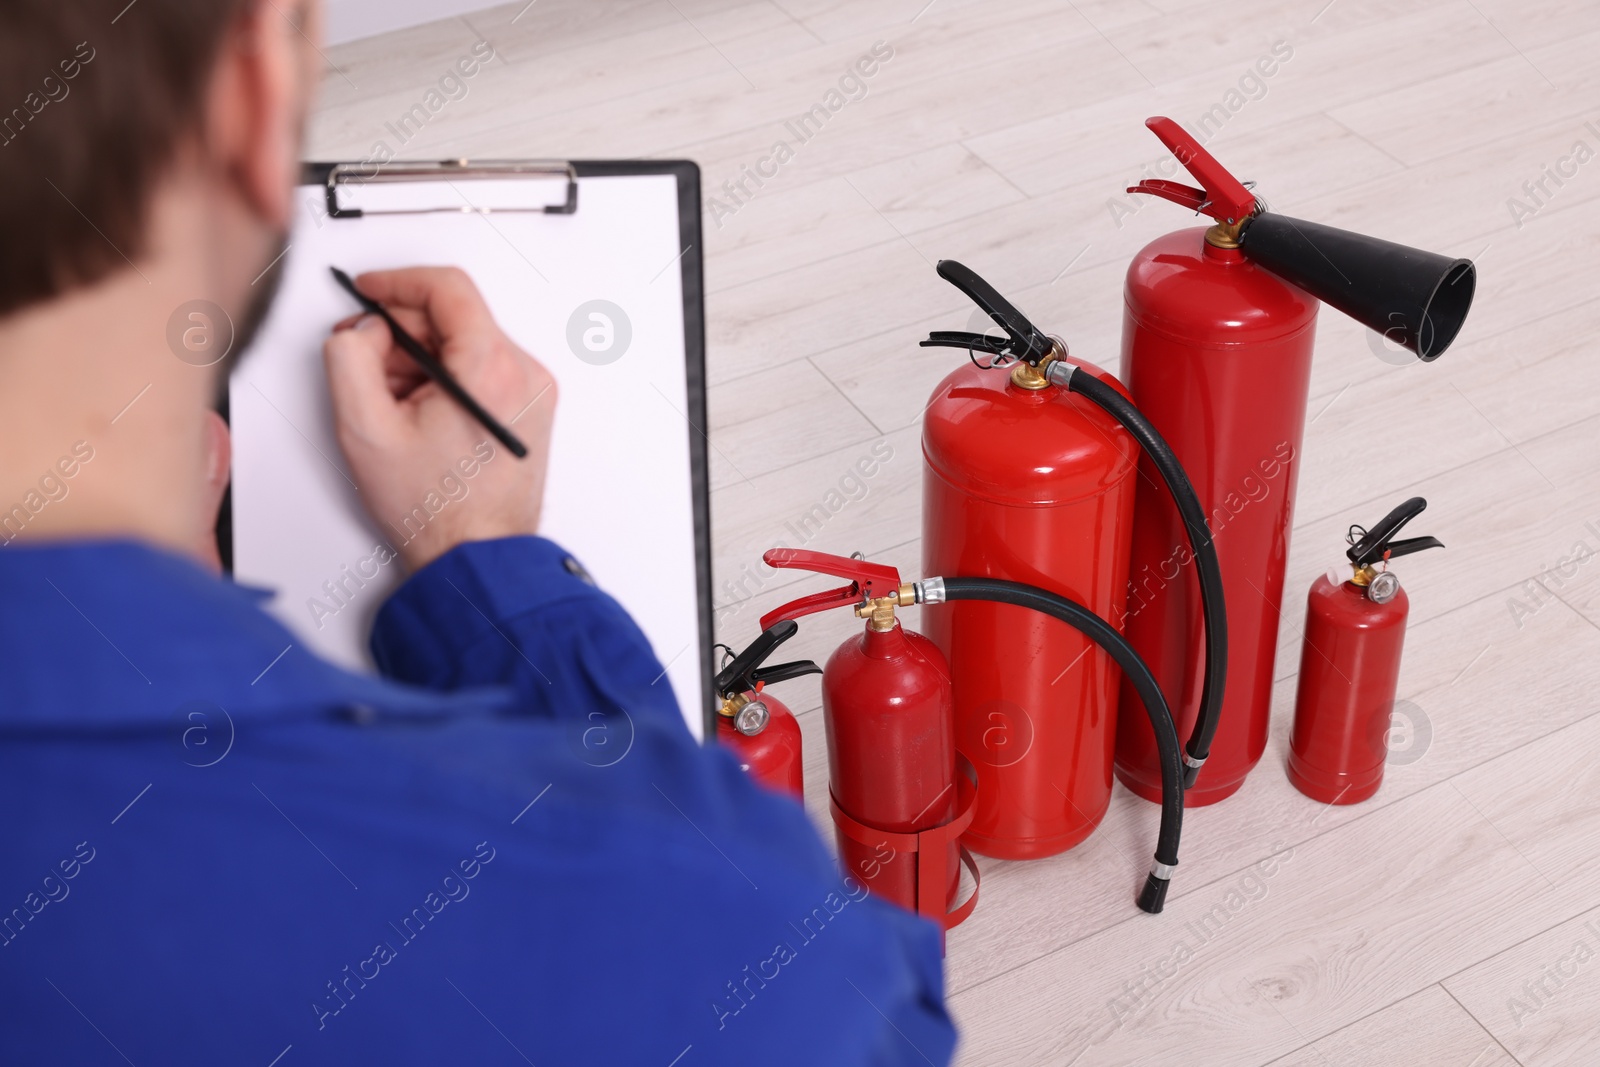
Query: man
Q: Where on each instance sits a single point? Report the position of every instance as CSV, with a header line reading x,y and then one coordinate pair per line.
x,y
218,848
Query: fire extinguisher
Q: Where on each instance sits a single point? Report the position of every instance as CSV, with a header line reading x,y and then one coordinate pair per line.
x,y
1029,476
755,726
1217,340
898,800
1350,666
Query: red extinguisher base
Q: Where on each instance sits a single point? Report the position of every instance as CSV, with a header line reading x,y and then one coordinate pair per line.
x,y
1331,787
1031,848
1205,791
918,871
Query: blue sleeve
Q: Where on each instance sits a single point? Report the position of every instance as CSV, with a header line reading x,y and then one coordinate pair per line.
x,y
520,612
712,887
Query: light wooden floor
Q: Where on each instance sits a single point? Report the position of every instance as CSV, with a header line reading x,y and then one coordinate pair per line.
x,y
1454,918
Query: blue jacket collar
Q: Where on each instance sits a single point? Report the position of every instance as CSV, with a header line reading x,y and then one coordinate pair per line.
x,y
119,635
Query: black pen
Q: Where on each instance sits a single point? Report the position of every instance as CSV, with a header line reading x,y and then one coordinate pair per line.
x,y
432,366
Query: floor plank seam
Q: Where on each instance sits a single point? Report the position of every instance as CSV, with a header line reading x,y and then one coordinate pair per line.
x,y
1491,1034
846,396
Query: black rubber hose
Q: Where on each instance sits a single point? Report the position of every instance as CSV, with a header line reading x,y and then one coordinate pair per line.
x,y
1213,609
997,590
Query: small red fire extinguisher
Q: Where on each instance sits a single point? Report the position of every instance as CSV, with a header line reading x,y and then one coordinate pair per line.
x,y
754,725
898,802
1350,666
1216,348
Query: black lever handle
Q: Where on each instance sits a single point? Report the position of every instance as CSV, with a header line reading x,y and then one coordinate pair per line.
x,y
1396,549
972,342
782,672
736,677
1378,541
1027,343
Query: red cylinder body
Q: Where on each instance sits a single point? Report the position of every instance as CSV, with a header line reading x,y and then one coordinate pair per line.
x,y
1349,674
891,760
1032,486
1217,353
771,757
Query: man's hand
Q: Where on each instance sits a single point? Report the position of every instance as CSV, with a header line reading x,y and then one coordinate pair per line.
x,y
418,458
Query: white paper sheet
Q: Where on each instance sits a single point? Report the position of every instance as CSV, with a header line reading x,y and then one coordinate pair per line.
x,y
619,495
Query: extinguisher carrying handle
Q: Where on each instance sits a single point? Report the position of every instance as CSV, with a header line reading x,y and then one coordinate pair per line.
x,y
740,673
1377,543
868,581
1221,195
1025,340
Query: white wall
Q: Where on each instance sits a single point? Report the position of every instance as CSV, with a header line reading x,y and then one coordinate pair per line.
x,y
350,19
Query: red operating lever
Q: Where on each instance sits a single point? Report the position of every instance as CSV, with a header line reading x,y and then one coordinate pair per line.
x,y
868,581
1221,195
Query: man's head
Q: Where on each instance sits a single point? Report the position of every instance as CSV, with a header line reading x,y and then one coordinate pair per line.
x,y
148,155
102,102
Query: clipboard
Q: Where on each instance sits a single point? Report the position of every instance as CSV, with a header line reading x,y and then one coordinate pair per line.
x,y
628,492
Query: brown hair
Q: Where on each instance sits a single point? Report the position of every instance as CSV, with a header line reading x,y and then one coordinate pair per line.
x,y
95,96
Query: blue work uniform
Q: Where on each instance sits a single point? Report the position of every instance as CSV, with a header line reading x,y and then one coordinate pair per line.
x,y
218,848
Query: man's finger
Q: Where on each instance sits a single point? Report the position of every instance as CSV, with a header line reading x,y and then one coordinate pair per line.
x,y
448,296
357,378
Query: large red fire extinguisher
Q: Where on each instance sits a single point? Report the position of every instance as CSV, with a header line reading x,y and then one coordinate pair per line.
x,y
1217,341
1350,666
752,723
1029,476
897,801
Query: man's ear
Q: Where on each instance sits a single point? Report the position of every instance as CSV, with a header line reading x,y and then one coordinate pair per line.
x,y
257,100
217,469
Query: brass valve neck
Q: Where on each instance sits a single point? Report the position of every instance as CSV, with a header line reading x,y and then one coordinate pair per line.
x,y
1224,234
730,706
1027,376
1364,575
879,612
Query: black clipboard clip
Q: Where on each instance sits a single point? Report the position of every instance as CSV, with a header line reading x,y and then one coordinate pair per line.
x,y
342,174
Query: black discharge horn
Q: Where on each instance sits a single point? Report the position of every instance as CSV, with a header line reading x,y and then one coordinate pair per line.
x,y
1414,298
